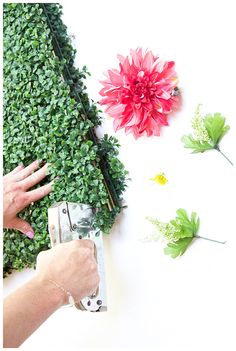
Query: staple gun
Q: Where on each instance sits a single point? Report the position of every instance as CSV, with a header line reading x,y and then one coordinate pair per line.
x,y
68,221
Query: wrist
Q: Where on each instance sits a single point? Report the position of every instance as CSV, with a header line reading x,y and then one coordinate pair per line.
x,y
56,296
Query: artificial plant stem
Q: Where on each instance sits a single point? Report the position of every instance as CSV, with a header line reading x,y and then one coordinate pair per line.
x,y
215,241
219,150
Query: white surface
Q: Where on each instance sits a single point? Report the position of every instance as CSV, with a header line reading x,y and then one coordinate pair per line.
x,y
153,300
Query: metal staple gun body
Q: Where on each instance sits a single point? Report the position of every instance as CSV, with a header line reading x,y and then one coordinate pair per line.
x,y
68,221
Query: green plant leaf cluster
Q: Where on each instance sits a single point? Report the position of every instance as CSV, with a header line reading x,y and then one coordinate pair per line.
x,y
45,119
215,128
179,232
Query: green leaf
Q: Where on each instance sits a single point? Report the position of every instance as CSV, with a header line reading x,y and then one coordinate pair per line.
x,y
182,214
215,126
195,145
189,226
177,248
195,222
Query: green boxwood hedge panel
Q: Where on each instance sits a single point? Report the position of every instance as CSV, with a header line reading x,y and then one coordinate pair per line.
x,y
48,116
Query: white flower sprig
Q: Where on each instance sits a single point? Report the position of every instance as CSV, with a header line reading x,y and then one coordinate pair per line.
x,y
207,133
180,232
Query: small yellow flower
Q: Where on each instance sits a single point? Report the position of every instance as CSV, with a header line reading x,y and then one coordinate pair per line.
x,y
160,179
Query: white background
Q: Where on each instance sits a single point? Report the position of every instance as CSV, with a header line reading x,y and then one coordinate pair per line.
x,y
153,300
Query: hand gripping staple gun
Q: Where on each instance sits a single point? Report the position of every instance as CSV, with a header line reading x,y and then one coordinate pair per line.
x,y
68,221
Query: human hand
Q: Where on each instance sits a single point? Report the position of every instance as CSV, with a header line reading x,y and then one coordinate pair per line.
x,y
16,195
72,266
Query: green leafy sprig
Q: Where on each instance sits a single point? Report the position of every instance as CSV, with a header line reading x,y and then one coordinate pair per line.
x,y
207,133
179,232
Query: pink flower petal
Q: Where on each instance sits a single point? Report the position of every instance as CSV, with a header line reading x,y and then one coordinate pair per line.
x,y
148,61
115,77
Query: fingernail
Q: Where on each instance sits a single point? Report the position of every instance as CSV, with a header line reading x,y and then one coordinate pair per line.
x,y
41,163
57,178
21,164
30,234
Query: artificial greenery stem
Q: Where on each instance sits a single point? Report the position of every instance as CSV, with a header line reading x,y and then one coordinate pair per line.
x,y
215,241
219,150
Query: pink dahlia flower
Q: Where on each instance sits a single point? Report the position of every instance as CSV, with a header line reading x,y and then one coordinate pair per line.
x,y
141,94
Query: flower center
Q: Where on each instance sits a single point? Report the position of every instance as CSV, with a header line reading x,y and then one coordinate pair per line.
x,y
143,89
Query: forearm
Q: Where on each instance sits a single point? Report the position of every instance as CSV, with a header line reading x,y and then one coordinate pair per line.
x,y
27,308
